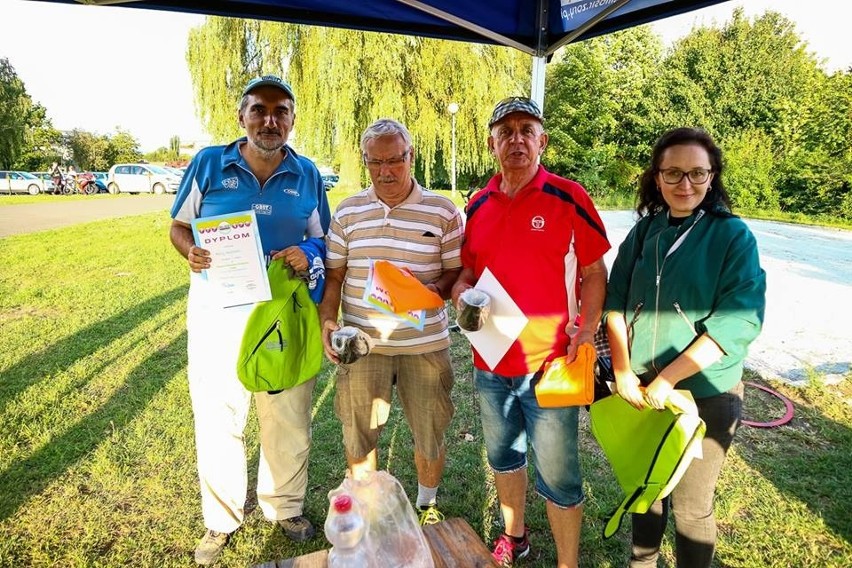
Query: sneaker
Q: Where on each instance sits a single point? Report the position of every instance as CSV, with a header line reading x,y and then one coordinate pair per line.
x,y
430,515
210,547
506,551
297,528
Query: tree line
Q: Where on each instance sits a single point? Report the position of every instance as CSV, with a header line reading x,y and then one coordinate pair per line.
x,y
30,142
783,122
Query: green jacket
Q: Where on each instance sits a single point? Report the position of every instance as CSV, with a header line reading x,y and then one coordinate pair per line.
x,y
711,283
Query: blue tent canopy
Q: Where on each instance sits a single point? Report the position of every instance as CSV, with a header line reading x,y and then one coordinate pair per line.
x,y
537,27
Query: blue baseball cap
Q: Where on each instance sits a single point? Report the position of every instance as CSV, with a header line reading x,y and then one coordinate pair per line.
x,y
515,104
269,81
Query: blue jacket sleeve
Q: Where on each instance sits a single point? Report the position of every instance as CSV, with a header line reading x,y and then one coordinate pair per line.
x,y
314,248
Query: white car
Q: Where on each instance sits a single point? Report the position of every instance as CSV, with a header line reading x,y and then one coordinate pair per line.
x,y
20,182
141,178
177,171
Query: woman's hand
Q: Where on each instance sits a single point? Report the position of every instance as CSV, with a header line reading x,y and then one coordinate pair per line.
x,y
657,393
627,386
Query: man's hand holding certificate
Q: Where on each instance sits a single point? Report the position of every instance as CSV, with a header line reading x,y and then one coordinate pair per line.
x,y
237,268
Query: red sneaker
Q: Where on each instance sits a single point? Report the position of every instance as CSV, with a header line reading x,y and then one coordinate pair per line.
x,y
507,551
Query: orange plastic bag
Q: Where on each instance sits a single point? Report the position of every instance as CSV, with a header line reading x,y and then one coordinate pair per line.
x,y
568,384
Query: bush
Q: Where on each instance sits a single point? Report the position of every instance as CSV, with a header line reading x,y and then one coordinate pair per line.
x,y
749,170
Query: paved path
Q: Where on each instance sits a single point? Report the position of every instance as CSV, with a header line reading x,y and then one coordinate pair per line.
x,y
809,280
32,217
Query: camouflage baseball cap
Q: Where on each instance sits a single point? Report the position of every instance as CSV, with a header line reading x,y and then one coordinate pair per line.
x,y
515,104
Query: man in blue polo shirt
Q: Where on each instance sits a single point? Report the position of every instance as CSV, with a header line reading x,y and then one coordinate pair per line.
x,y
258,172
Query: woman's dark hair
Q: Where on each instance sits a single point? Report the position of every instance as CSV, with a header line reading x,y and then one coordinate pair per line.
x,y
650,199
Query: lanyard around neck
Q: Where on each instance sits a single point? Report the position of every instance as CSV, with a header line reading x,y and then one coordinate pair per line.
x,y
672,249
682,237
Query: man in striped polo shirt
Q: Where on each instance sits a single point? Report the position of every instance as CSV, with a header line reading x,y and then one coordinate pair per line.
x,y
397,220
541,237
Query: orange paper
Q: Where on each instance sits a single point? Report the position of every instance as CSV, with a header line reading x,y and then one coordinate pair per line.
x,y
401,289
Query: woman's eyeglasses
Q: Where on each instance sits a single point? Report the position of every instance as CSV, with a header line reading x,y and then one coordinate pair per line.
x,y
696,176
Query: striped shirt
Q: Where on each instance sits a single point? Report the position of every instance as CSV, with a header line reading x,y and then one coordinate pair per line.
x,y
423,234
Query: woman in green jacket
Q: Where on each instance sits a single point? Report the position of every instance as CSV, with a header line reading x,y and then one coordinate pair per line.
x,y
685,298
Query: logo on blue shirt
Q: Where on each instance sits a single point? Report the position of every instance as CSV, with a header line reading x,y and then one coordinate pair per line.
x,y
293,192
230,183
262,208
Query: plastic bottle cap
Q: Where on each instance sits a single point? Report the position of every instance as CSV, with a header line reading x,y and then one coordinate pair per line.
x,y
342,503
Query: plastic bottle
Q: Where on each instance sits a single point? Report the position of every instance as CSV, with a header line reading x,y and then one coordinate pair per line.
x,y
346,530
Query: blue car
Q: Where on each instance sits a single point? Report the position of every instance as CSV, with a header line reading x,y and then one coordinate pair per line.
x,y
329,180
101,181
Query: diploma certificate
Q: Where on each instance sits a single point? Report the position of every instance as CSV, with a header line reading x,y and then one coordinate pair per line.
x,y
237,268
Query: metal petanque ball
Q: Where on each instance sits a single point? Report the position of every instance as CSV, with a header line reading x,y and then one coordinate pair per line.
x,y
474,307
350,344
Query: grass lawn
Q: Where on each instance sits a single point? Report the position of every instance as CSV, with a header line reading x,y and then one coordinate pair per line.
x,y
97,458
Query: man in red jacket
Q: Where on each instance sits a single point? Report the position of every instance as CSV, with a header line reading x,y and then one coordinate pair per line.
x,y
542,239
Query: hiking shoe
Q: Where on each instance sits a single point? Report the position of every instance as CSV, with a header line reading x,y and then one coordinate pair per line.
x,y
297,528
507,551
210,547
430,515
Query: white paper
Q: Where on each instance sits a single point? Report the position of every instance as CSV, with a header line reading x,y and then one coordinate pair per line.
x,y
502,327
237,268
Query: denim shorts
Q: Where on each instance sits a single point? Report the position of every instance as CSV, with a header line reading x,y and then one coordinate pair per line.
x,y
510,416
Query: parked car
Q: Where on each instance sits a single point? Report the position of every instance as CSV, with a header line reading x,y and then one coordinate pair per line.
x,y
177,171
48,181
141,178
329,180
21,182
100,181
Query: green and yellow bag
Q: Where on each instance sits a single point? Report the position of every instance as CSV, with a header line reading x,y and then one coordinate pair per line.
x,y
281,345
649,450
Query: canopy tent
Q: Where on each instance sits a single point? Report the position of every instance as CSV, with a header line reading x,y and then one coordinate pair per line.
x,y
537,27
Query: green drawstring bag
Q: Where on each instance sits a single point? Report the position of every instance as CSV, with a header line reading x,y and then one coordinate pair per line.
x,y
648,450
281,345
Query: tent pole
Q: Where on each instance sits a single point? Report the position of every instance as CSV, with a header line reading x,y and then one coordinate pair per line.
x,y
537,81
539,58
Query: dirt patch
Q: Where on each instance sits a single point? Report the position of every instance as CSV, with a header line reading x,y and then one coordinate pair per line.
x,y
20,312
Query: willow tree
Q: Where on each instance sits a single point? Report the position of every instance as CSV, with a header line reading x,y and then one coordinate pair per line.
x,y
345,79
